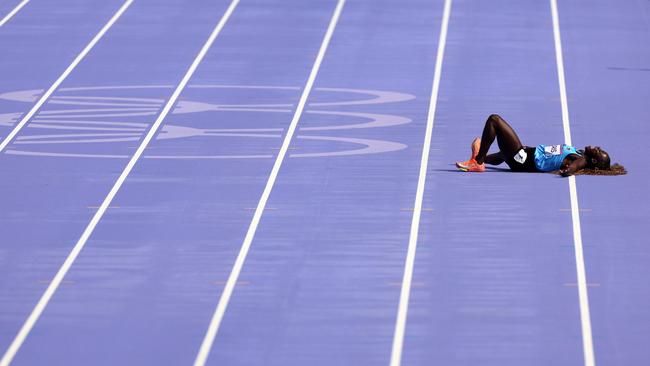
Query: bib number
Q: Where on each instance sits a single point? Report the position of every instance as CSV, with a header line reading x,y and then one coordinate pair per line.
x,y
553,150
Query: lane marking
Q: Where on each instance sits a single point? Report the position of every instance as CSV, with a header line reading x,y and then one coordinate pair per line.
x,y
571,209
220,310
56,281
585,318
239,283
413,284
400,324
13,12
65,282
63,76
575,284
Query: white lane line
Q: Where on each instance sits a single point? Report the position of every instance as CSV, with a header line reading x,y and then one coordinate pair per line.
x,y
400,324
56,281
585,318
61,78
13,12
220,310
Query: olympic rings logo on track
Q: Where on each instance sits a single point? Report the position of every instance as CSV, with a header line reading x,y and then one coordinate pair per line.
x,y
105,121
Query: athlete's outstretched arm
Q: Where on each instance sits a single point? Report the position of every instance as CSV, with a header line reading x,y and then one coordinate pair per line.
x,y
573,167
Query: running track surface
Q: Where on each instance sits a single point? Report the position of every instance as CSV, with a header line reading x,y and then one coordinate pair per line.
x,y
494,279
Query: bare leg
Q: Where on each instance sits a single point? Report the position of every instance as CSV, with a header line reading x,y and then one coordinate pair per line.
x,y
507,139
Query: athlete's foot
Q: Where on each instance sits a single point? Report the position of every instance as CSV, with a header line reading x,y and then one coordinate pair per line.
x,y
476,146
470,166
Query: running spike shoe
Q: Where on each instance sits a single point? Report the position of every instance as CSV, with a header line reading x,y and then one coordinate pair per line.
x,y
470,166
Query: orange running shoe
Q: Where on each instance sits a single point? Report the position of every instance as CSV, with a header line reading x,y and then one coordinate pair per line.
x,y
476,146
470,166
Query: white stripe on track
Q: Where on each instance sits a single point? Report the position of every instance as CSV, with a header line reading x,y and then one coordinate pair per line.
x,y
13,12
61,78
56,281
400,324
220,310
585,318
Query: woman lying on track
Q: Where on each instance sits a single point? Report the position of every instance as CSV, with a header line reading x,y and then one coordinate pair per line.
x,y
563,159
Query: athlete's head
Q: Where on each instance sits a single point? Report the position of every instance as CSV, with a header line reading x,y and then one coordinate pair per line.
x,y
597,158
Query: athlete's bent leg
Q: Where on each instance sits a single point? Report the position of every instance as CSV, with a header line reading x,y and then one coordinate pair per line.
x,y
507,139
495,159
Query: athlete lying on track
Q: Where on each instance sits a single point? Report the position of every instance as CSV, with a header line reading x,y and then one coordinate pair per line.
x,y
563,159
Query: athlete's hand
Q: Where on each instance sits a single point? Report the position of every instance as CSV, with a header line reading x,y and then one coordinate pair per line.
x,y
573,167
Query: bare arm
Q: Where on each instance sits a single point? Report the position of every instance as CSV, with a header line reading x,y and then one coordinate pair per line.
x,y
571,166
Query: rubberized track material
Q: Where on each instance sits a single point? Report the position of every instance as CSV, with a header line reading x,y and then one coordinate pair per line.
x,y
495,274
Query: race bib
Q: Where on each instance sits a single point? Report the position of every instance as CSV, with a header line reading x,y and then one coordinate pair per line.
x,y
521,156
553,150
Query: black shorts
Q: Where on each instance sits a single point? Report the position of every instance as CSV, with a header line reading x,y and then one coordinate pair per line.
x,y
528,165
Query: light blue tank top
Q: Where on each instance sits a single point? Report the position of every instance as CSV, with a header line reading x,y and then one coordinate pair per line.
x,y
549,157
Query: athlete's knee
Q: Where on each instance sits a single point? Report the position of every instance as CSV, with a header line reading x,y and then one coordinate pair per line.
x,y
495,118
492,122
495,121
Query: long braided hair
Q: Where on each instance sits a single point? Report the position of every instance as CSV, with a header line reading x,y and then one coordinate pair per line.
x,y
614,169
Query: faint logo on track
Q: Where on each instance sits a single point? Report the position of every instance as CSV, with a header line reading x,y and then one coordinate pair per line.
x,y
226,121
